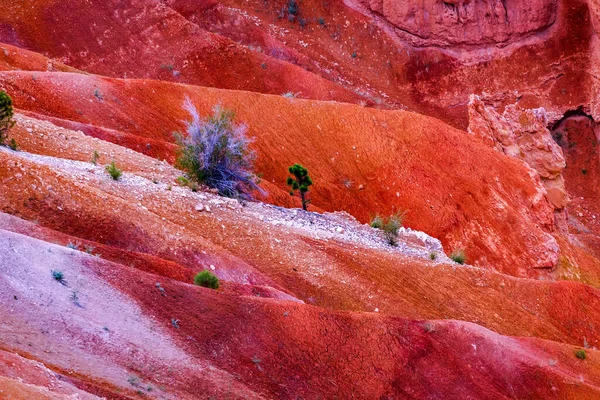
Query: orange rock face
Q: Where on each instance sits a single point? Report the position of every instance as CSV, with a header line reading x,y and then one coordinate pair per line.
x,y
477,119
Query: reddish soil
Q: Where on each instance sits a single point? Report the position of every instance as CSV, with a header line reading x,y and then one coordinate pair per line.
x,y
311,305
441,190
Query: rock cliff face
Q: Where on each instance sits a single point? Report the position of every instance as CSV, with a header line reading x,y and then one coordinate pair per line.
x,y
450,23
523,134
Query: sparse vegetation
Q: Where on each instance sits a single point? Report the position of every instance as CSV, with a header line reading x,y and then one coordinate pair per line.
x,y
389,226
182,181
98,94
6,117
458,256
581,354
113,171
133,380
292,10
95,158
432,256
290,95
72,245
12,144
58,276
175,323
377,222
300,182
216,152
207,279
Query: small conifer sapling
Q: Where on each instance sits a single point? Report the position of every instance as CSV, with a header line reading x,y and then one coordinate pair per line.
x,y
300,182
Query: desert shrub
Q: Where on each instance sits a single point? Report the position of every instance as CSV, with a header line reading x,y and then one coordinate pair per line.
x,y
207,279
581,354
458,256
216,152
293,7
58,275
377,222
6,117
300,182
113,171
390,226
182,181
432,256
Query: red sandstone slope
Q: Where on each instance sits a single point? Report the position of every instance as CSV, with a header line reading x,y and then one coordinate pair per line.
x,y
311,305
110,307
76,202
392,160
341,54
275,349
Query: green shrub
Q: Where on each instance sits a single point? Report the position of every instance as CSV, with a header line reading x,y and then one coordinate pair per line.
x,y
580,354
182,181
207,279
6,117
389,226
12,144
300,182
377,222
458,256
432,256
113,171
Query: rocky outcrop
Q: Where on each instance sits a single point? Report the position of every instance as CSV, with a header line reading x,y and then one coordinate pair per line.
x,y
460,22
523,134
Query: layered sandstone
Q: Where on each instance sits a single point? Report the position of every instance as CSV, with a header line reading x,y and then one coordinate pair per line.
x,y
465,22
523,134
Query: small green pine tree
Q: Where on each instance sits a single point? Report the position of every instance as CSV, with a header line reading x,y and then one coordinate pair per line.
x,y
6,116
300,182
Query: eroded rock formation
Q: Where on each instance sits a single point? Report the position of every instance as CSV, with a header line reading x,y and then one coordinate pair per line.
x,y
459,22
523,134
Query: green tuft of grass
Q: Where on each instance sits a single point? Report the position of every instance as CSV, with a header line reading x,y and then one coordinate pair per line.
x,y
432,256
113,171
377,222
390,226
581,354
458,256
95,157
